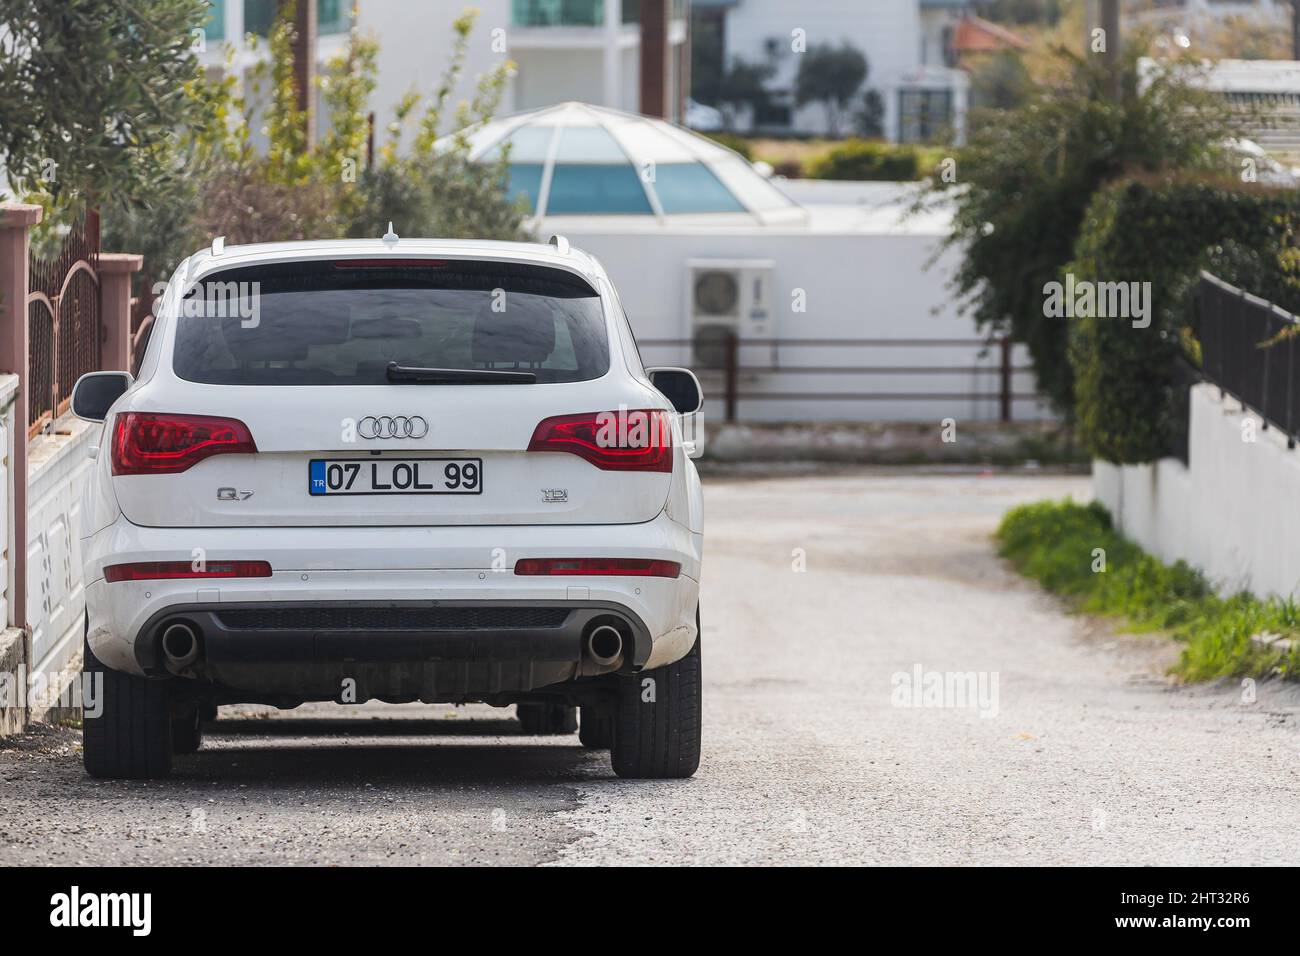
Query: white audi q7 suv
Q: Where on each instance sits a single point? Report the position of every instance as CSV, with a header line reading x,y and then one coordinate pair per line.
x,y
404,470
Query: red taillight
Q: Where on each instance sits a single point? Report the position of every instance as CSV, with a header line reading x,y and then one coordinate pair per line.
x,y
638,440
165,570
145,443
623,567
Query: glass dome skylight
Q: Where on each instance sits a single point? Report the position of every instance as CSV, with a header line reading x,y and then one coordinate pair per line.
x,y
580,160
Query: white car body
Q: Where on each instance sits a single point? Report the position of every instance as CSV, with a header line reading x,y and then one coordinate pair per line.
x,y
452,550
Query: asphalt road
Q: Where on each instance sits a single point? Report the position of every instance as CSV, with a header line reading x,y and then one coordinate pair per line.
x,y
1074,747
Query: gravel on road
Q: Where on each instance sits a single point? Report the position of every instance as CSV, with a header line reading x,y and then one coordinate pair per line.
x,y
879,688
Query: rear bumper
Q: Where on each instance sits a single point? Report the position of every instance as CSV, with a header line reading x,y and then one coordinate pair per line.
x,y
390,568
397,651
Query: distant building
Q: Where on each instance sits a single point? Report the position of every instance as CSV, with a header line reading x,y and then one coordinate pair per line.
x,y
1265,95
564,49
1192,16
914,49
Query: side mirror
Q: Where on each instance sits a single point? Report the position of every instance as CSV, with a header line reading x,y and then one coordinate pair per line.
x,y
682,388
679,386
95,393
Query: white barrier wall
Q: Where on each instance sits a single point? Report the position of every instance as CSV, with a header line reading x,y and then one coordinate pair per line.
x,y
58,466
12,648
1233,511
856,285
8,389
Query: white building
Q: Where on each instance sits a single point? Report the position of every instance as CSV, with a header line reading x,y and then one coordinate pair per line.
x,y
563,49
1192,16
907,44
1265,94
698,243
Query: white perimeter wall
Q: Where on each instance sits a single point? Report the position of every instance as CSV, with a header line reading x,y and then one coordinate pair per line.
x,y
1233,512
58,466
857,286
8,390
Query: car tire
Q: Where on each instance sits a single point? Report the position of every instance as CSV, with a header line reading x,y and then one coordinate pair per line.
x,y
547,718
596,728
657,724
132,736
187,732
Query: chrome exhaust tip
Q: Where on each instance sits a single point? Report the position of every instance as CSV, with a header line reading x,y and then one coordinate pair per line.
x,y
180,645
604,644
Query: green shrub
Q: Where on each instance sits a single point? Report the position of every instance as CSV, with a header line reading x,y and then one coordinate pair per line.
x,y
734,142
1056,543
860,159
1027,175
1161,230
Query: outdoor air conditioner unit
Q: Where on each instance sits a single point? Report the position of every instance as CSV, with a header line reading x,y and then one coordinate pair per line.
x,y
728,297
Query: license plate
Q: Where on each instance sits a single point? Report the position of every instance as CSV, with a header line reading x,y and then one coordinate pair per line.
x,y
395,476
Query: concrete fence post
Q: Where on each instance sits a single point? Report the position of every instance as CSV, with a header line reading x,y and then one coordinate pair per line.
x,y
1005,381
16,221
115,271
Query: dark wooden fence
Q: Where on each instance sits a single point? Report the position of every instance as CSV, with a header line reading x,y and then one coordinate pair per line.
x,y
63,306
730,380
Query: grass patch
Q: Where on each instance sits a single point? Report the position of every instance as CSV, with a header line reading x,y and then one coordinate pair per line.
x,y
1055,544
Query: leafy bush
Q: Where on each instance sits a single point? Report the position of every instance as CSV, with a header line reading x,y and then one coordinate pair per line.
x,y
291,192
1024,183
858,159
91,94
1163,230
1055,544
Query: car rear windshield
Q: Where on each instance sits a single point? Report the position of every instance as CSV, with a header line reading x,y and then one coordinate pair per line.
x,y
342,322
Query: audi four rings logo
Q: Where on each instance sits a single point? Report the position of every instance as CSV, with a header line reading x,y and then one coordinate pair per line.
x,y
386,426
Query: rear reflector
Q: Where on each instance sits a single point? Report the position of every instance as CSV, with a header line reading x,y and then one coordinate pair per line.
x,y
623,567
146,443
167,570
636,440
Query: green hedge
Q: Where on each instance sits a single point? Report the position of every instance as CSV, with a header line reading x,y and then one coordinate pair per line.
x,y
1056,543
861,159
1162,231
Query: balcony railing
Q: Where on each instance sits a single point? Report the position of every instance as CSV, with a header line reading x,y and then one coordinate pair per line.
x,y
558,13
580,13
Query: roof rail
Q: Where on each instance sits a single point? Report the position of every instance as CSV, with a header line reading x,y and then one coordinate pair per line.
x,y
218,245
560,243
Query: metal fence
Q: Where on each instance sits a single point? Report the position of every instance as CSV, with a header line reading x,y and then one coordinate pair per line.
x,y
1245,353
142,318
730,378
63,322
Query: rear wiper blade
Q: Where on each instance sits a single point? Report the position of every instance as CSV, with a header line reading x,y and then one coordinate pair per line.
x,y
457,376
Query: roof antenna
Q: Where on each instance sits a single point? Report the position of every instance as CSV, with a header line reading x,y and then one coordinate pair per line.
x,y
389,238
